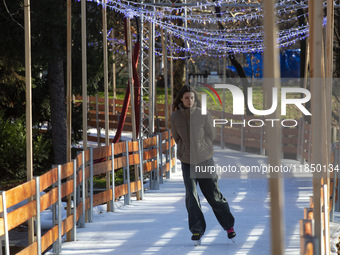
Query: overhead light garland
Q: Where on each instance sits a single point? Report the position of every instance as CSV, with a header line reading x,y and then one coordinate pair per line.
x,y
211,42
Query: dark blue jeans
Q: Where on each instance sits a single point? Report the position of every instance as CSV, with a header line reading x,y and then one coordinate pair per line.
x,y
211,191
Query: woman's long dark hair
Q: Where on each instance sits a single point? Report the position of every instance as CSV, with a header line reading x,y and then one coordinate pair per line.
x,y
184,89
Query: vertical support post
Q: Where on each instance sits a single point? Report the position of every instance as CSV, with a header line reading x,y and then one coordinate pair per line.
x,y
4,213
69,81
186,43
175,158
83,187
331,216
302,159
154,174
28,81
38,222
337,206
326,219
171,72
106,74
272,76
165,64
242,134
84,71
298,156
74,229
59,210
127,198
317,87
113,67
69,100
57,246
223,107
113,176
97,122
160,157
168,156
310,144
151,76
141,172
90,213
261,138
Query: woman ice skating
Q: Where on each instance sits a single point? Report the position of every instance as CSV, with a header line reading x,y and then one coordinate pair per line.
x,y
194,133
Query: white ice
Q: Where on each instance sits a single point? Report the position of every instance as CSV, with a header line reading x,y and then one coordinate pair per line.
x,y
159,225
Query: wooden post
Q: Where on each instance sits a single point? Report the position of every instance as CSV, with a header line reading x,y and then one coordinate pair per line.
x,y
272,79
106,92
165,72
132,98
28,81
113,71
171,72
106,76
84,71
69,100
84,82
316,74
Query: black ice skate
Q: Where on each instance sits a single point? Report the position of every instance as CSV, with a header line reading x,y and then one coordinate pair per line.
x,y
196,237
231,234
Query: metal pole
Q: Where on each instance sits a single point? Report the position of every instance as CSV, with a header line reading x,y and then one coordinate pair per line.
x,y
151,77
272,75
316,73
28,80
84,71
106,76
171,72
132,98
186,44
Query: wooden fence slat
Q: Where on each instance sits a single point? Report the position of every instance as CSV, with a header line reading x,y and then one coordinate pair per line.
x,y
1,205
148,166
20,193
87,155
120,162
49,199
102,152
49,238
133,159
67,225
87,172
66,170
102,167
66,188
119,148
102,197
2,227
22,214
290,140
121,190
48,178
79,210
148,142
133,146
135,186
150,154
30,250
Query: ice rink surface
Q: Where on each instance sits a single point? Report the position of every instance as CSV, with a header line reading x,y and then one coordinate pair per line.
x,y
158,224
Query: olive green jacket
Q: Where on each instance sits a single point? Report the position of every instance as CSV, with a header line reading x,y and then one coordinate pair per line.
x,y
193,133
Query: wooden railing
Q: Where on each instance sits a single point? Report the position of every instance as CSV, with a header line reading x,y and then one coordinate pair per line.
x,y
96,118
308,239
71,178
